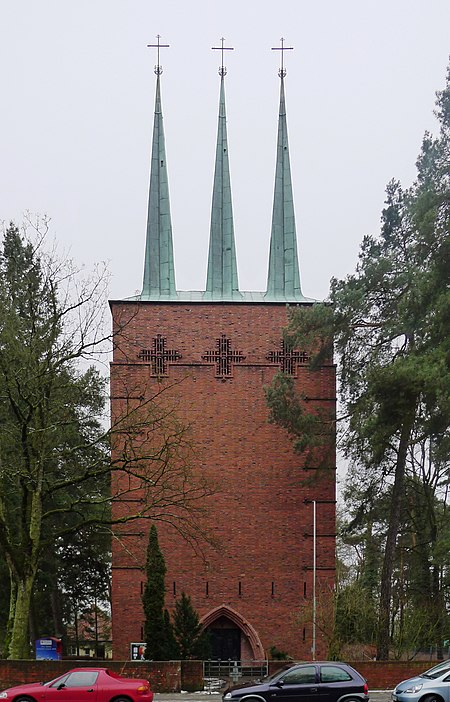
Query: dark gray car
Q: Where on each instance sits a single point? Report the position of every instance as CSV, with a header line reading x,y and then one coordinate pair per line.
x,y
324,681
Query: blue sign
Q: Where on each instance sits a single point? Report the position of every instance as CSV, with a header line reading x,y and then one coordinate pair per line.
x,y
48,649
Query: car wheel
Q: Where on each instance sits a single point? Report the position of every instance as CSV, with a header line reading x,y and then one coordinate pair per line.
x,y
427,698
24,699
115,699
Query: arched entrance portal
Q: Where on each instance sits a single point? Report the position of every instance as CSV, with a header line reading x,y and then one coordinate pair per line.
x,y
232,636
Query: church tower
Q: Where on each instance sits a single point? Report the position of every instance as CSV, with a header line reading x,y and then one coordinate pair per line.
x,y
270,516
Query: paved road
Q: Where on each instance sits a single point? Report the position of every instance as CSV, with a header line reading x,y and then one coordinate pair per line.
x,y
375,696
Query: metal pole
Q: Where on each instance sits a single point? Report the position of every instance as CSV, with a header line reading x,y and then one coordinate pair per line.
x,y
313,647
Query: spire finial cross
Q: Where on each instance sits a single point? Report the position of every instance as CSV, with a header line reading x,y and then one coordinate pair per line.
x,y
222,69
158,67
282,48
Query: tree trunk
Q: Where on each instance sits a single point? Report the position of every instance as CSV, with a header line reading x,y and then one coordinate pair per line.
x,y
19,648
383,638
438,612
77,641
32,630
55,598
20,638
11,613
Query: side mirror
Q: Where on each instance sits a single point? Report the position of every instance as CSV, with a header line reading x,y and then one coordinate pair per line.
x,y
280,683
60,687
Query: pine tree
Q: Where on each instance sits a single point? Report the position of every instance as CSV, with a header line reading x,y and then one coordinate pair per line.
x,y
155,628
193,641
172,650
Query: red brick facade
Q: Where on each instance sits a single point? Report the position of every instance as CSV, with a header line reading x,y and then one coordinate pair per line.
x,y
217,358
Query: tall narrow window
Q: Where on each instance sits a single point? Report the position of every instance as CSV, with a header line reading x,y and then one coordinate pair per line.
x,y
174,589
273,589
207,589
240,588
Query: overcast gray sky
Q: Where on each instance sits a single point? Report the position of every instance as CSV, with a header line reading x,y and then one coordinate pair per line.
x,y
77,87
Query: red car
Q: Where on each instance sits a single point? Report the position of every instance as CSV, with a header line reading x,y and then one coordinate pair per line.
x,y
83,685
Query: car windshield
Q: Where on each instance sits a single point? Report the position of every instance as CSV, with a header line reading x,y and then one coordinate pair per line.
x,y
51,682
437,671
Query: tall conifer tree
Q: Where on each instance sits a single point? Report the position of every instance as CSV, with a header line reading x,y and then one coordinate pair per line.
x,y
157,624
192,640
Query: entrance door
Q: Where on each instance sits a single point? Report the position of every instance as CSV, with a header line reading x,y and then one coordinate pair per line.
x,y
225,644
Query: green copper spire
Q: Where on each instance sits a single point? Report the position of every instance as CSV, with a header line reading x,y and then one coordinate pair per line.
x,y
283,281
222,279
159,272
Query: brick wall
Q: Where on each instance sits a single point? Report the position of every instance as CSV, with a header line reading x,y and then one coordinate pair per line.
x,y
174,676
382,675
260,516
